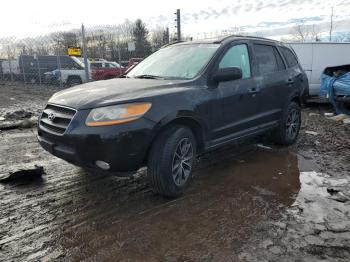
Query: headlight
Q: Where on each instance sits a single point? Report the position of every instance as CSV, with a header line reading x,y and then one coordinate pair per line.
x,y
111,115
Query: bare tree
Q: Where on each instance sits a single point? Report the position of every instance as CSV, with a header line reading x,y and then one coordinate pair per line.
x,y
300,32
315,34
159,37
62,40
107,42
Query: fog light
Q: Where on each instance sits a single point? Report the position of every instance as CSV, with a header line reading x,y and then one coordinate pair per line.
x,y
103,165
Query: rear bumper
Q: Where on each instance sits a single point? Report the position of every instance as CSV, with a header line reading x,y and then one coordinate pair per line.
x,y
123,147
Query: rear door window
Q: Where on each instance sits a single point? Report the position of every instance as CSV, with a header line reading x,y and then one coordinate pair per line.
x,y
268,59
289,56
280,64
237,56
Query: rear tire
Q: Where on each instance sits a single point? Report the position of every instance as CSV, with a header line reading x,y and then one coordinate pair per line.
x,y
171,160
287,131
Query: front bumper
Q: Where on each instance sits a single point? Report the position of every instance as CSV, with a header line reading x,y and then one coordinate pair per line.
x,y
123,147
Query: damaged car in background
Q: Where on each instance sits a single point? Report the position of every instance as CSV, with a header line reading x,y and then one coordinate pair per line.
x,y
183,100
336,88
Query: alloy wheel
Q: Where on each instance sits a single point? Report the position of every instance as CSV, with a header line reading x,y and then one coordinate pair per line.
x,y
292,124
182,161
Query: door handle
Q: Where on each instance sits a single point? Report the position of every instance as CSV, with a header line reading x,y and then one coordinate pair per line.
x,y
289,81
253,90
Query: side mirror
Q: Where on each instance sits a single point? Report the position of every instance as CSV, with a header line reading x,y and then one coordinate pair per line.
x,y
227,74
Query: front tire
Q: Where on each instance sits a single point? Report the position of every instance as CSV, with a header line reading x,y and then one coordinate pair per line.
x,y
287,131
171,160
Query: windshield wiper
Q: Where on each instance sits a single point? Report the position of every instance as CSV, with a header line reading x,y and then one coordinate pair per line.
x,y
149,77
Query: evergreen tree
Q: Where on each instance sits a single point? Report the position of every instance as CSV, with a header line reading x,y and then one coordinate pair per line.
x,y
142,45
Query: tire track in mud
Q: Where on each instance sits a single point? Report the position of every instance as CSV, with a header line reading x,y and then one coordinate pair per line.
x,y
40,209
69,215
65,201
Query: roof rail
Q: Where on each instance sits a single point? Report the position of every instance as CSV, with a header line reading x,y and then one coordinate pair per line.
x,y
173,43
245,36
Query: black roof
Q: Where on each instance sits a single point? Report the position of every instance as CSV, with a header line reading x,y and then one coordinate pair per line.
x,y
234,37
220,40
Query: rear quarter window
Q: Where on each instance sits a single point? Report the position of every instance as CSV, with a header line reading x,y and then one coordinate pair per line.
x,y
289,56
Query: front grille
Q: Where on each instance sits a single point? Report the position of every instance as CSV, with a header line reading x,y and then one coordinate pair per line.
x,y
56,119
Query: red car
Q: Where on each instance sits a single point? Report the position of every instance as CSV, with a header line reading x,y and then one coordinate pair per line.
x,y
134,61
101,70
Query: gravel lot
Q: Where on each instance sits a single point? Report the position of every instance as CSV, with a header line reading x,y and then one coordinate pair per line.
x,y
246,203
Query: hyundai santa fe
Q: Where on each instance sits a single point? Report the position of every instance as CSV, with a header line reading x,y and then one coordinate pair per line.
x,y
185,99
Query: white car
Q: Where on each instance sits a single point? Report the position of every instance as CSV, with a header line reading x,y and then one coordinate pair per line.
x,y
69,76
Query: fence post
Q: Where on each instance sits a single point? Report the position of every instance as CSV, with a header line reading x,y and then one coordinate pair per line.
x,y
119,58
59,69
86,65
24,74
9,61
39,72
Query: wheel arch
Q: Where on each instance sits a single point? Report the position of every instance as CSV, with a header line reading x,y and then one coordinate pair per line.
x,y
297,98
74,77
193,124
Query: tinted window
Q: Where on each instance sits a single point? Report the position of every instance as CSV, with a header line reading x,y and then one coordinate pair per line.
x,y
237,56
267,59
96,65
280,64
289,56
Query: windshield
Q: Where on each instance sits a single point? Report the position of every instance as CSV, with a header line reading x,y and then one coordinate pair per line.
x,y
175,62
78,61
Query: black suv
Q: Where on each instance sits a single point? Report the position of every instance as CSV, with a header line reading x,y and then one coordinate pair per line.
x,y
187,98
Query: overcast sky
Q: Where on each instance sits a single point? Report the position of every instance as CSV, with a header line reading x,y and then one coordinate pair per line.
x,y
23,18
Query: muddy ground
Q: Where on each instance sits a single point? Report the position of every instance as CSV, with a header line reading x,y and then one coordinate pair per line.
x,y
246,203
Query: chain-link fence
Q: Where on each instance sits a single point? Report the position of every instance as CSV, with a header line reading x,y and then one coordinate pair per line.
x,y
110,51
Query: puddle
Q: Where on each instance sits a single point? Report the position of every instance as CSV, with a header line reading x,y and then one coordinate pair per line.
x,y
221,210
236,199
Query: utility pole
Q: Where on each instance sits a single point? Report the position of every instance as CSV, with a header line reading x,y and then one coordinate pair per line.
x,y
331,26
36,57
59,68
119,57
178,24
86,65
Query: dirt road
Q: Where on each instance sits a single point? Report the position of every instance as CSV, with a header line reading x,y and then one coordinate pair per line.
x,y
246,203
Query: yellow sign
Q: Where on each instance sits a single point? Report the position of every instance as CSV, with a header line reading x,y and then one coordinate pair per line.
x,y
74,51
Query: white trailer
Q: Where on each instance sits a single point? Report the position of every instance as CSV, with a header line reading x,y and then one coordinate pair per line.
x,y
316,57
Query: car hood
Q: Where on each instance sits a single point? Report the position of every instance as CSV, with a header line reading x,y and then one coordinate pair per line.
x,y
102,93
